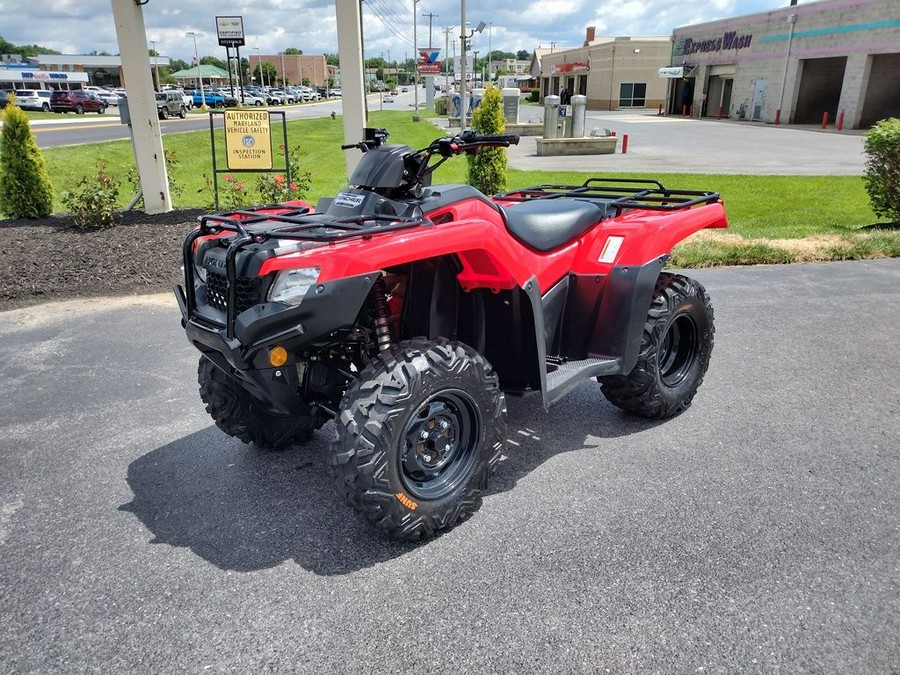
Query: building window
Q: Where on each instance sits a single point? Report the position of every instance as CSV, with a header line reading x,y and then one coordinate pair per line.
x,y
632,94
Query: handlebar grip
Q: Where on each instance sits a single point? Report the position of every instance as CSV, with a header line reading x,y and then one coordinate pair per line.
x,y
349,146
512,139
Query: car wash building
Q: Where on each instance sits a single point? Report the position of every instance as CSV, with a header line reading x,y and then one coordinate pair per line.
x,y
839,58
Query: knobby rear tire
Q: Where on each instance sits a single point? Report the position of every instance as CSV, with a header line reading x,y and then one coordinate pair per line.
x,y
675,349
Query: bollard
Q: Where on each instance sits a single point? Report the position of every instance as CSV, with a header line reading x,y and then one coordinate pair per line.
x,y
624,143
840,124
719,113
825,119
777,116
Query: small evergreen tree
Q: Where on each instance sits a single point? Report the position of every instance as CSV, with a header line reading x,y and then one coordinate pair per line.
x,y
25,189
882,177
487,167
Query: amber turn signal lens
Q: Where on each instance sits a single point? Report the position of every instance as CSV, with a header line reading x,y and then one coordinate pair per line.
x,y
278,356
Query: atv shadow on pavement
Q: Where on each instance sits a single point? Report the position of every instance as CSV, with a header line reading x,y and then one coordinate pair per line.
x,y
245,509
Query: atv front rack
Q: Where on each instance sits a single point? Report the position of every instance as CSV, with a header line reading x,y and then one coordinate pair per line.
x,y
618,194
275,221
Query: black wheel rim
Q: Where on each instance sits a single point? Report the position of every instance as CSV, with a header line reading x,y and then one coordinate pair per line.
x,y
678,350
439,444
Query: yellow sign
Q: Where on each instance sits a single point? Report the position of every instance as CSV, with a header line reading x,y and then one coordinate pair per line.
x,y
248,141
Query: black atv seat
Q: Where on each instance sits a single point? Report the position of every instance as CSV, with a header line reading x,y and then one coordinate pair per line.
x,y
545,224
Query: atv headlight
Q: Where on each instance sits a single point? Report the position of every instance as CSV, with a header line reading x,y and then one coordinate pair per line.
x,y
291,285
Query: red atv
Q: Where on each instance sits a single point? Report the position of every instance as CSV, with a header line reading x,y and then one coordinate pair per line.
x,y
404,311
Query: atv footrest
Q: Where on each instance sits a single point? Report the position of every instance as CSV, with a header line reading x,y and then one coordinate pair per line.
x,y
564,377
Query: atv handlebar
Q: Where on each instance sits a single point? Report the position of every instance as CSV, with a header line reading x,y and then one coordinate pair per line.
x,y
470,141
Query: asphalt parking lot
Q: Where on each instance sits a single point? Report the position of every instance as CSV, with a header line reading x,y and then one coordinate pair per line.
x,y
758,532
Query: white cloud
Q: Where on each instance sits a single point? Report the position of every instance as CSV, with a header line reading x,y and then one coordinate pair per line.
x,y
81,26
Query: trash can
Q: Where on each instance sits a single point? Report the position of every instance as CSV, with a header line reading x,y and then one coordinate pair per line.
x,y
510,104
440,105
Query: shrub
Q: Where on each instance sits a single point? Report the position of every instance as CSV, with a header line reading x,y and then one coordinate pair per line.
x,y
92,200
534,96
882,177
25,189
487,167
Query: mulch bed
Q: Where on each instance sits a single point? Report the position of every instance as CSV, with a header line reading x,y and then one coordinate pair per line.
x,y
50,259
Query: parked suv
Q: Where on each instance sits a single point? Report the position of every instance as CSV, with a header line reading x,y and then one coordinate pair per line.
x,y
77,101
170,103
33,99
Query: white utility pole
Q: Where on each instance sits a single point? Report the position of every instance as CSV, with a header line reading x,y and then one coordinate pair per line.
x,y
415,58
148,147
462,62
350,51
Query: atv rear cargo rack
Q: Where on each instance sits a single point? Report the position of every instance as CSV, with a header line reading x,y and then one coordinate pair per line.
x,y
283,223
618,194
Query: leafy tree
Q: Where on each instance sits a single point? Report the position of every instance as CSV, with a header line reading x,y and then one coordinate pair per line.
x,y
25,50
293,51
213,61
332,59
25,189
487,167
882,176
523,55
264,73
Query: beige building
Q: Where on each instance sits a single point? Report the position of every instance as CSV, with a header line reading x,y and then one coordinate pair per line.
x,y
810,63
613,72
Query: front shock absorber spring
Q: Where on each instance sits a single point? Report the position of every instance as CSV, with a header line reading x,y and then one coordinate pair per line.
x,y
381,314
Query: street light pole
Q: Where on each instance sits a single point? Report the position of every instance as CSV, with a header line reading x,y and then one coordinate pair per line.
x,y
193,34
283,72
156,64
262,73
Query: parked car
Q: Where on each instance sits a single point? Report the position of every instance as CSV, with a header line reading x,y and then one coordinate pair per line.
x,y
335,91
78,101
252,99
169,103
33,99
109,97
211,100
387,98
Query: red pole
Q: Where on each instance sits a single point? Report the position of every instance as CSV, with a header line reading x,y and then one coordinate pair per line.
x,y
624,143
719,113
778,116
825,119
840,124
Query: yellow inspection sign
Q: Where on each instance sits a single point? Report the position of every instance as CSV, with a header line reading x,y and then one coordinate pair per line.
x,y
248,141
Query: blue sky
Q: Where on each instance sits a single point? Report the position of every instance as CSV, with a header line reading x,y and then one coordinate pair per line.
x,y
81,26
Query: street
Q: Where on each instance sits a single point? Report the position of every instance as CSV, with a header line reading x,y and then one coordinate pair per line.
x,y
755,533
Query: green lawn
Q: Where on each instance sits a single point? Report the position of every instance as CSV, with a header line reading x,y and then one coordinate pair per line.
x,y
831,211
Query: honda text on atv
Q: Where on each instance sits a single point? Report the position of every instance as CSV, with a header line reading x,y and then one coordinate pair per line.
x,y
406,311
